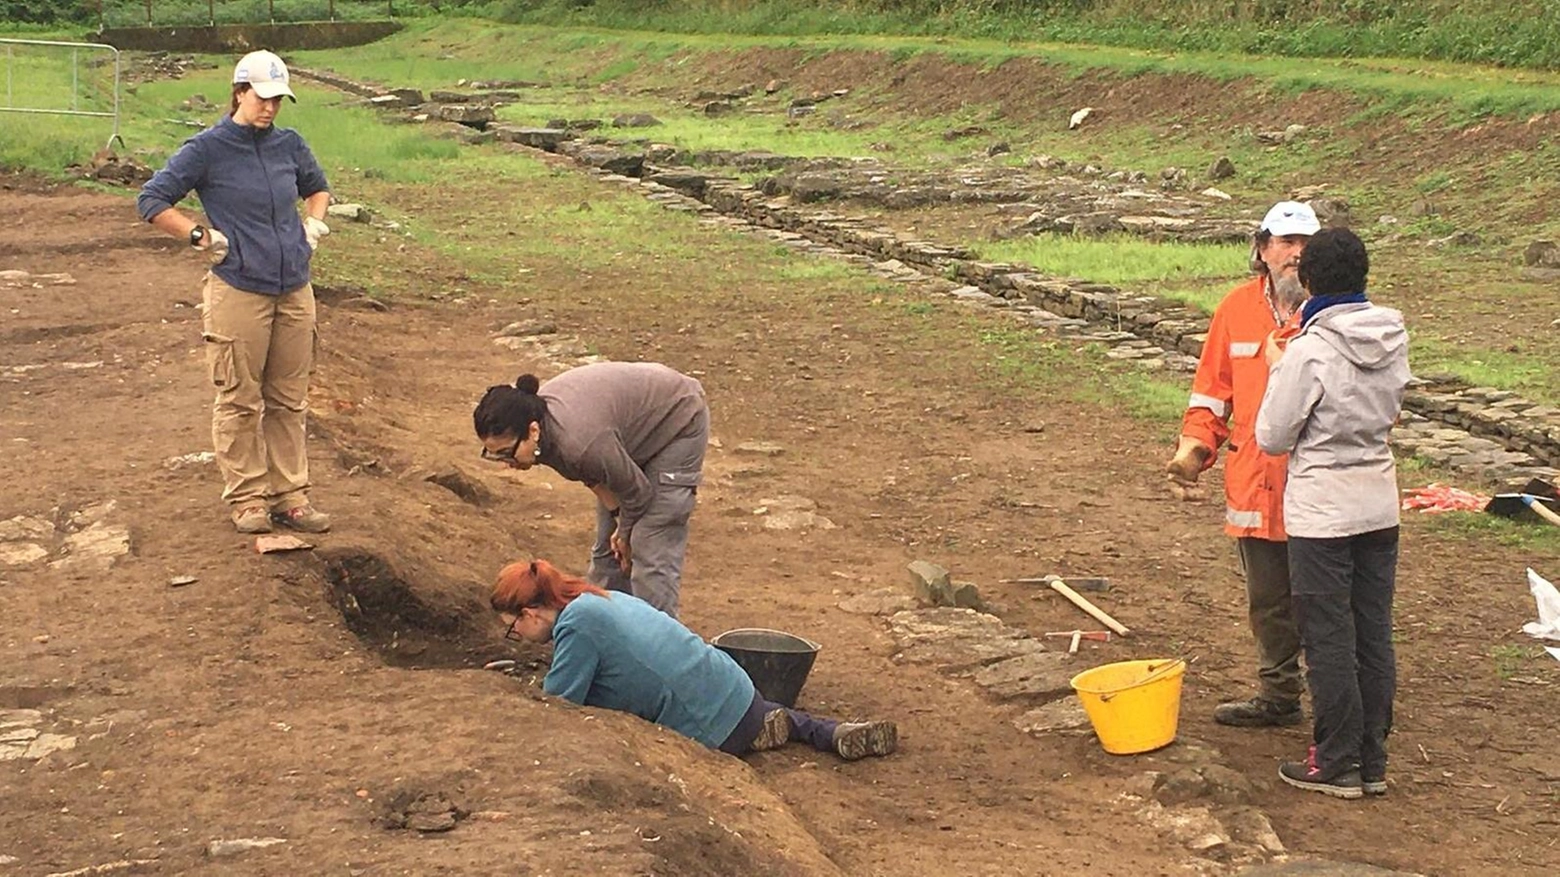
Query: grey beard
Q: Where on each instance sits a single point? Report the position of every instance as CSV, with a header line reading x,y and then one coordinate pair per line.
x,y
1288,291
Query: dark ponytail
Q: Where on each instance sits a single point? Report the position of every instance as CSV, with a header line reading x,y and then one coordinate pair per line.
x,y
506,410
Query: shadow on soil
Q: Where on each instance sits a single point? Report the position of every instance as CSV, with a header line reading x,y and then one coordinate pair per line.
x,y
408,616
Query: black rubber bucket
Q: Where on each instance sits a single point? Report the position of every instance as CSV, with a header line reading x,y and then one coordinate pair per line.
x,y
776,661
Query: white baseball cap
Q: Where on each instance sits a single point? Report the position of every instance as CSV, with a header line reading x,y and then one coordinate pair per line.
x,y
1290,217
265,73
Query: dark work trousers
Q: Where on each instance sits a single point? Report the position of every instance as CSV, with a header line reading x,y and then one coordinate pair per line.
x,y
1266,565
815,732
659,540
1343,598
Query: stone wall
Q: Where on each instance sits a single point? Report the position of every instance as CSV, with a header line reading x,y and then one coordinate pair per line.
x,y
240,38
1492,433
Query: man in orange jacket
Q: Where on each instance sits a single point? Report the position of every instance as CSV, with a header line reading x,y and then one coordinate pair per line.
x,y
1226,393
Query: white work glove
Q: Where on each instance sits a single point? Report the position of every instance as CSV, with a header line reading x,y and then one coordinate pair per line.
x,y
215,246
313,230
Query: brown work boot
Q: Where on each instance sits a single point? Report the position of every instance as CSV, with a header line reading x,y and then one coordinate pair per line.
x,y
251,518
1259,712
775,733
853,740
304,518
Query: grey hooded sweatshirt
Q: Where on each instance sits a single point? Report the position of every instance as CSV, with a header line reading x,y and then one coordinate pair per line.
x,y
1330,404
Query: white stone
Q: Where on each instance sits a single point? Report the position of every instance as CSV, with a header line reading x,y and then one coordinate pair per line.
x,y
93,514
26,529
798,520
198,458
19,718
48,743
1062,715
21,553
218,848
96,547
352,212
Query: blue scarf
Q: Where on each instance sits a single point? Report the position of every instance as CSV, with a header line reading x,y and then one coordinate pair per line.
x,y
1318,303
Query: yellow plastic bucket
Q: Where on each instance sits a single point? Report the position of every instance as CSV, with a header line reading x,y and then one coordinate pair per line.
x,y
1133,705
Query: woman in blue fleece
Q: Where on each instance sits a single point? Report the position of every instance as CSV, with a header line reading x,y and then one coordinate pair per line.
x,y
259,306
614,650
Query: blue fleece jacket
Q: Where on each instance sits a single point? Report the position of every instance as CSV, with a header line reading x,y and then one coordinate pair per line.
x,y
621,653
249,181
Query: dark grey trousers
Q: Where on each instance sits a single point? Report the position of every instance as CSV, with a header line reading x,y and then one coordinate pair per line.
x,y
660,538
1272,614
1343,597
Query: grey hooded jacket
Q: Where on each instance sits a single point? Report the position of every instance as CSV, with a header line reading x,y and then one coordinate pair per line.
x,y
1330,404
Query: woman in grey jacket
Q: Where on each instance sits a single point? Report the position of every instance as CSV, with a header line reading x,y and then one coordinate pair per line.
x,y
1332,399
259,304
635,434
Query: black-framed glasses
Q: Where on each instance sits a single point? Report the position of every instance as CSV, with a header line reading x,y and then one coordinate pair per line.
x,y
502,456
511,634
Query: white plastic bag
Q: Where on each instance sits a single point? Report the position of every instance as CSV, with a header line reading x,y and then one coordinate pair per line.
x,y
1548,624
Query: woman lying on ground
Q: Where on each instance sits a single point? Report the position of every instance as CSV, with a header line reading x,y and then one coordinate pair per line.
x,y
634,433
1332,399
614,650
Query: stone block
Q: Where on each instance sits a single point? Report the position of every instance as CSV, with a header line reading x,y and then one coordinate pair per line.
x,y
1060,716
1037,675
957,639
930,583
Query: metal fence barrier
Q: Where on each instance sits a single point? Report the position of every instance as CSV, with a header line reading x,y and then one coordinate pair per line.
x,y
75,82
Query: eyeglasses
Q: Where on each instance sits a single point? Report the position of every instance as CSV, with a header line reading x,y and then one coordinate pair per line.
x,y
502,456
511,634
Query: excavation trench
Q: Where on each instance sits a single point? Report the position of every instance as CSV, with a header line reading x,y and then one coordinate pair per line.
x,y
412,618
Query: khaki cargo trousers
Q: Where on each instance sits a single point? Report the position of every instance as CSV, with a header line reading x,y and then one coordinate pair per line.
x,y
260,353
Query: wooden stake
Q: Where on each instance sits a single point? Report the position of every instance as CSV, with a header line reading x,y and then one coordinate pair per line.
x,y
1081,602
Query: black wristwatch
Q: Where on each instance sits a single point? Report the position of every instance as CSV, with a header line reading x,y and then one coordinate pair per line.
x,y
197,236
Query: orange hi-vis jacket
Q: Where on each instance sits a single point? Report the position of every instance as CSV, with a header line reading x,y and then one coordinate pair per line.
x,y
1226,393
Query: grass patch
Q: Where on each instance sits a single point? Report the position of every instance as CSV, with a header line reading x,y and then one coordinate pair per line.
x,y
1120,258
1485,367
1537,541
1031,360
439,52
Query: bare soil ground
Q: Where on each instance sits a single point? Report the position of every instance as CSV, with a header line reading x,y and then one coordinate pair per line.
x,y
310,697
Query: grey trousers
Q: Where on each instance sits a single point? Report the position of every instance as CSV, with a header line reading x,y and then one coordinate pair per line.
x,y
1266,564
659,540
1343,596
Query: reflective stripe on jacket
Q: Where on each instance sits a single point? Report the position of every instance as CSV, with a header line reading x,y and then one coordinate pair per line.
x,y
1226,394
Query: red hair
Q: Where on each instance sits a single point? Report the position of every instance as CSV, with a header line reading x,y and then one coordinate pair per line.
x,y
537,583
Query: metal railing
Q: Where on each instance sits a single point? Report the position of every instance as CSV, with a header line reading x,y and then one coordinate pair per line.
x,y
75,82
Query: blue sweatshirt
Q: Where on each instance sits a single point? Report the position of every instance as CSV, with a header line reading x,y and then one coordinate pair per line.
x,y
249,181
621,653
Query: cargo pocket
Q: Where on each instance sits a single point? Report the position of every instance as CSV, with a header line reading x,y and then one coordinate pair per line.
x,y
221,361
676,493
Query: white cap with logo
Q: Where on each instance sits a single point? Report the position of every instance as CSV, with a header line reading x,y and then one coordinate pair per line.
x,y
265,73
1290,217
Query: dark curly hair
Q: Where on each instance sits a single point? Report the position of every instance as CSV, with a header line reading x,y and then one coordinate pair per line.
x,y
506,410
1334,262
